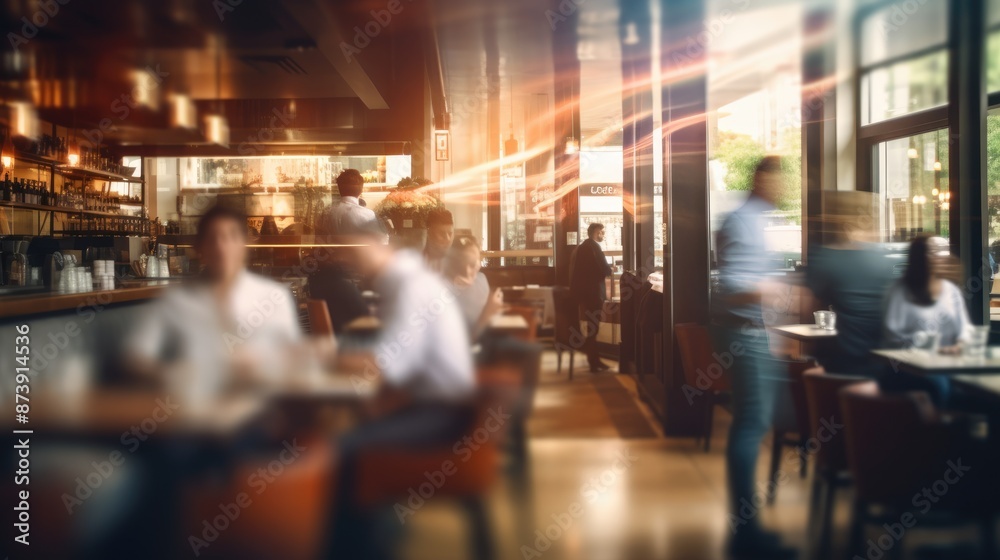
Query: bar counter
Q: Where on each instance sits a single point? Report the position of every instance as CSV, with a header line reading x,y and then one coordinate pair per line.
x,y
51,302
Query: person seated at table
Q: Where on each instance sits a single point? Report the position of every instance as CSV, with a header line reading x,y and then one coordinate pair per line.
x,y
852,277
919,307
423,357
462,271
229,323
440,233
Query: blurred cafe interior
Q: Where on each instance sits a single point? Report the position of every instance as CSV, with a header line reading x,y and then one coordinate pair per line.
x,y
450,279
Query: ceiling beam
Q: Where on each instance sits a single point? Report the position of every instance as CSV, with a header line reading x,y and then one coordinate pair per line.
x,y
319,21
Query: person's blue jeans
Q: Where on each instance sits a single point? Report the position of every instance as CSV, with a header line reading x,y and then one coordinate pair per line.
x,y
755,381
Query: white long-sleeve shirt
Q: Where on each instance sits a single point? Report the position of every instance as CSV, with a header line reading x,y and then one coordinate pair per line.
x,y
424,343
904,318
189,325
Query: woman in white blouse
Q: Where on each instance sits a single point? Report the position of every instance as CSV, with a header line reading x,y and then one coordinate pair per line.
x,y
919,307
923,305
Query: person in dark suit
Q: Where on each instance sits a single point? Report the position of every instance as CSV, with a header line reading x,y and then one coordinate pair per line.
x,y
588,269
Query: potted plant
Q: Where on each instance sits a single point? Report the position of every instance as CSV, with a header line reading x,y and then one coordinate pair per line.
x,y
407,207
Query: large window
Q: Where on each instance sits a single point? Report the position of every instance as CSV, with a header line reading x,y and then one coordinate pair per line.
x,y
912,177
755,110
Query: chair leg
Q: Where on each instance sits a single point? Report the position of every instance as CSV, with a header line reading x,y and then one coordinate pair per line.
x,y
559,361
709,421
827,503
814,523
803,461
777,441
479,523
571,360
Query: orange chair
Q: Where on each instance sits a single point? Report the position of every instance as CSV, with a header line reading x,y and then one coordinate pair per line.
x,y
286,513
320,323
830,470
698,362
389,475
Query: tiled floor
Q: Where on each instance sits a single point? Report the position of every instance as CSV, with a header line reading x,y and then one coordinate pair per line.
x,y
668,502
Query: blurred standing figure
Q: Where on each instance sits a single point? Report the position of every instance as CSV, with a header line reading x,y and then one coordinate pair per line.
x,y
347,215
739,330
332,279
440,233
588,269
851,276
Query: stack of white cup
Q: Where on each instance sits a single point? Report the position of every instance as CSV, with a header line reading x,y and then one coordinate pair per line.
x,y
104,274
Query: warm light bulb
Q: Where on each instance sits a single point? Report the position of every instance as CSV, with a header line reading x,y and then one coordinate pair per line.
x,y
937,166
571,146
7,161
912,152
934,192
945,206
73,159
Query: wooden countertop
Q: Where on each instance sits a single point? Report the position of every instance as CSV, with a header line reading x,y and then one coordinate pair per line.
x,y
25,306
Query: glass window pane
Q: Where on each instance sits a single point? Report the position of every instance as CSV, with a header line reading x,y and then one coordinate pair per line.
x,y
912,177
993,181
993,61
905,87
903,28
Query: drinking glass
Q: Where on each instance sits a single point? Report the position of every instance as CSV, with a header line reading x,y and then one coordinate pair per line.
x,y
975,347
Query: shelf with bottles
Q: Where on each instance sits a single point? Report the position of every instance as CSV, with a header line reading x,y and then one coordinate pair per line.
x,y
116,226
35,195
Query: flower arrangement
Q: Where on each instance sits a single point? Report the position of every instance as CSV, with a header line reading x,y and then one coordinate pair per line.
x,y
407,202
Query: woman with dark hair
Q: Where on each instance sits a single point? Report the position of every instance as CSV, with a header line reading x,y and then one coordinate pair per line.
x,y
923,305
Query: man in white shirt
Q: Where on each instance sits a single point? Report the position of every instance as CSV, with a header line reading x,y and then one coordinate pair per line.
x,y
229,323
423,352
347,216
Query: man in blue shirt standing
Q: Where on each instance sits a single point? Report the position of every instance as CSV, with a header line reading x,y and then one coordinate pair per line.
x,y
738,327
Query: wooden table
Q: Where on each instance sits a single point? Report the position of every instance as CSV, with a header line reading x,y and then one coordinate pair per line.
x,y
986,385
363,326
109,413
499,324
507,324
324,386
804,333
922,362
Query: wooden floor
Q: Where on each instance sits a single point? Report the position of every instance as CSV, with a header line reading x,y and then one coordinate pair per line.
x,y
667,503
